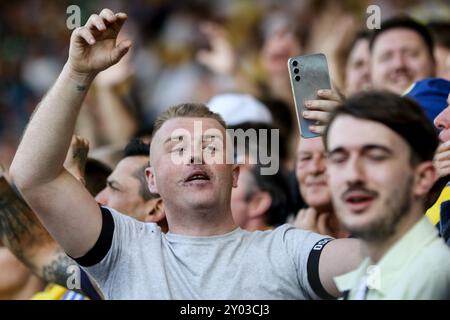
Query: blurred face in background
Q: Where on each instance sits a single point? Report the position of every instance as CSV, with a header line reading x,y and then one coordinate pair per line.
x,y
442,122
123,189
357,70
442,57
241,196
311,173
277,49
399,58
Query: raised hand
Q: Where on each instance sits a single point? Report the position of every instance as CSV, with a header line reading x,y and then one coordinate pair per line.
x,y
320,110
76,158
119,73
94,47
442,159
221,59
310,219
37,169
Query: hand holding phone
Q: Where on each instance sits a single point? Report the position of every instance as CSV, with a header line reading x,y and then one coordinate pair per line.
x,y
320,110
309,74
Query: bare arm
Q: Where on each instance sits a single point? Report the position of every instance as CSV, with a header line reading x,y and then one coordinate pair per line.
x,y
20,230
64,206
23,234
339,257
119,124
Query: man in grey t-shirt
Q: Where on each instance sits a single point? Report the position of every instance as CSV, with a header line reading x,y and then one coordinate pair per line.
x,y
204,255
144,263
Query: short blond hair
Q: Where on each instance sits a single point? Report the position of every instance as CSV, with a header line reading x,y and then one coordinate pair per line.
x,y
186,110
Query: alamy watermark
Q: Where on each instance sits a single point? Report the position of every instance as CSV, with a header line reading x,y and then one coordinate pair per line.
x,y
73,281
237,147
74,19
374,19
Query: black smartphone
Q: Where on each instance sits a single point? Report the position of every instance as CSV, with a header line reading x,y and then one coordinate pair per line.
x,y
308,74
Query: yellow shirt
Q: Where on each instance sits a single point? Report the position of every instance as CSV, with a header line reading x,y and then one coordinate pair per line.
x,y
57,292
434,213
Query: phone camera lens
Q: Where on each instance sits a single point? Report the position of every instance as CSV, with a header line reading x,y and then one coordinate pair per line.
x,y
294,63
297,78
296,71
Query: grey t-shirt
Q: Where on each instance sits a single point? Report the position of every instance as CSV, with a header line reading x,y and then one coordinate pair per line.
x,y
141,262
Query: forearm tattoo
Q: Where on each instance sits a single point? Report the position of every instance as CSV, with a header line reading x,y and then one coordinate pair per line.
x,y
81,87
22,232
20,229
80,155
58,270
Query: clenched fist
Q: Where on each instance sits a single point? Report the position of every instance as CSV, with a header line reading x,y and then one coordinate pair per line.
x,y
93,47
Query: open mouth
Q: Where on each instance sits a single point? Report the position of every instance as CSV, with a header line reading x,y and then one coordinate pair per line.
x,y
198,175
358,202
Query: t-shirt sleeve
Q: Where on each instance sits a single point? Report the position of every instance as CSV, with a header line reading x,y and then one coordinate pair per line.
x,y
118,233
305,248
103,243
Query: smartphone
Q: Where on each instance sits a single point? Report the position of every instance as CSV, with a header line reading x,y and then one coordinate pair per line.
x,y
308,74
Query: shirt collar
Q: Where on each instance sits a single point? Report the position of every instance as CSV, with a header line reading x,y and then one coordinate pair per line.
x,y
348,281
398,256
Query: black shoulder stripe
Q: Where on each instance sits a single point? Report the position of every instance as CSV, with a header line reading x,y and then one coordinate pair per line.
x,y
103,244
313,269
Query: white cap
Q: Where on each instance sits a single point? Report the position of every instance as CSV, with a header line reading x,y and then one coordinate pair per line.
x,y
238,108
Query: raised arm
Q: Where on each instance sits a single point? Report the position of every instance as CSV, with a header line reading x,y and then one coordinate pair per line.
x,y
65,207
339,257
24,235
